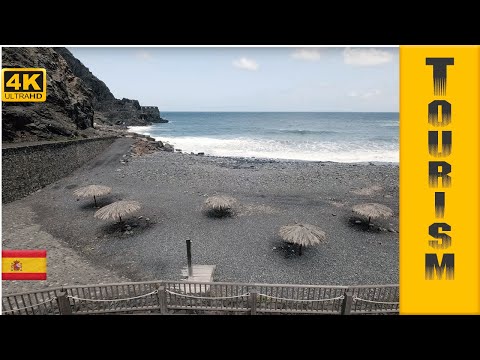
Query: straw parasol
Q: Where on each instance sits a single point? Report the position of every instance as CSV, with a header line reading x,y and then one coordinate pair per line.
x,y
220,204
302,235
92,190
117,210
372,211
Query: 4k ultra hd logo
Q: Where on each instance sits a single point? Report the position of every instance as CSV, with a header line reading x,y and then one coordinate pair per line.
x,y
24,85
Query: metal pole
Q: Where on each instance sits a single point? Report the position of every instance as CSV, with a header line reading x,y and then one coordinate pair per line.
x,y
189,257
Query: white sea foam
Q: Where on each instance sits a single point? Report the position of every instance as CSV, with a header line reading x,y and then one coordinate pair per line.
x,y
390,124
289,150
145,130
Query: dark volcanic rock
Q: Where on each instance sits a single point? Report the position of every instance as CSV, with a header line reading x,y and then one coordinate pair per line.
x,y
100,91
121,112
75,100
168,147
146,145
69,101
127,112
108,109
152,114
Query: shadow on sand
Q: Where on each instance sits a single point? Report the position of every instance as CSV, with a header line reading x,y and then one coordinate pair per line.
x,y
129,227
219,214
361,224
290,251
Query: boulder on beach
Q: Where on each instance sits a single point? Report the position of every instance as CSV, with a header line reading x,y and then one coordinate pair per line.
x,y
146,146
168,147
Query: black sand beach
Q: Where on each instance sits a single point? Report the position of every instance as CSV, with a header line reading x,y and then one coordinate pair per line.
x,y
172,188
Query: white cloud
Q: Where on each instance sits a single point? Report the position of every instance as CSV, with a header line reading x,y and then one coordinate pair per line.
x,y
143,55
246,64
365,94
366,56
309,54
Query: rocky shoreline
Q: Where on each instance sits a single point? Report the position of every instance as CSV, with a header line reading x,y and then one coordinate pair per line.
x,y
149,145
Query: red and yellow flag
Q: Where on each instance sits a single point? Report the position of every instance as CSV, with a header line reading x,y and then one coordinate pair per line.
x,y
24,264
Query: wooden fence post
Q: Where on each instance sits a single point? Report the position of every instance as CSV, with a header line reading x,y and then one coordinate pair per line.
x,y
347,302
64,304
162,300
253,302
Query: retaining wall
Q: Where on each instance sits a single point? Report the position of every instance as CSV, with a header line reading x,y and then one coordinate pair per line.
x,y
28,168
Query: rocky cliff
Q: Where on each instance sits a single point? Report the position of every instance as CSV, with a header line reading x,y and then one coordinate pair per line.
x,y
152,114
108,109
76,99
100,91
120,112
67,110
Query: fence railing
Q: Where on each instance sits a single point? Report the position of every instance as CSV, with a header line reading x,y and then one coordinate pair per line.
x,y
170,297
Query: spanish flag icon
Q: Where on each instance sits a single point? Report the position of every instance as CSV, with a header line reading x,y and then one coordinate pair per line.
x,y
24,264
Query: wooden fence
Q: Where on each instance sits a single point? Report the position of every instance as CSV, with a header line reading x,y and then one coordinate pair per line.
x,y
182,297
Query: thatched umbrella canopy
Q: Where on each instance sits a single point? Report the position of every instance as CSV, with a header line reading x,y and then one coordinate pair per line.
x,y
372,211
220,204
92,190
117,210
302,235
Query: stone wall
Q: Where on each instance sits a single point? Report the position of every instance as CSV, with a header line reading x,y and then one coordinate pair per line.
x,y
27,168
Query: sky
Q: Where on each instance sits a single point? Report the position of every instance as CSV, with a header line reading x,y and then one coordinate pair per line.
x,y
250,79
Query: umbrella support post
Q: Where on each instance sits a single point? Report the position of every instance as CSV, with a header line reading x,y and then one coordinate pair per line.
x,y
95,200
197,273
300,250
189,257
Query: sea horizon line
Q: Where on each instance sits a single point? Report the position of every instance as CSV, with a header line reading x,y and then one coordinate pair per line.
x,y
267,111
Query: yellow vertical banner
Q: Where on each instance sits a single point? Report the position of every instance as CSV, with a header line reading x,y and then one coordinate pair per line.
x,y
439,179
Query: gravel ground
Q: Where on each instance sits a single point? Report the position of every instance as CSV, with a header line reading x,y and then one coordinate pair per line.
x,y
65,266
172,188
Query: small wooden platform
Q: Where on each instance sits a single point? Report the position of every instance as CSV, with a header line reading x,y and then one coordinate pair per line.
x,y
201,273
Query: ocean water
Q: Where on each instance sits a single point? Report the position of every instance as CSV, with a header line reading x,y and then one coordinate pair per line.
x,y
313,136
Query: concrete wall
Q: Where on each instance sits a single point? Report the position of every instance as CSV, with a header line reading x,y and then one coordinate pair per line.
x,y
27,168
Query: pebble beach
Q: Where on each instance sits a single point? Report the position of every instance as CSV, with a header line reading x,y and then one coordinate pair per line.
x,y
172,188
